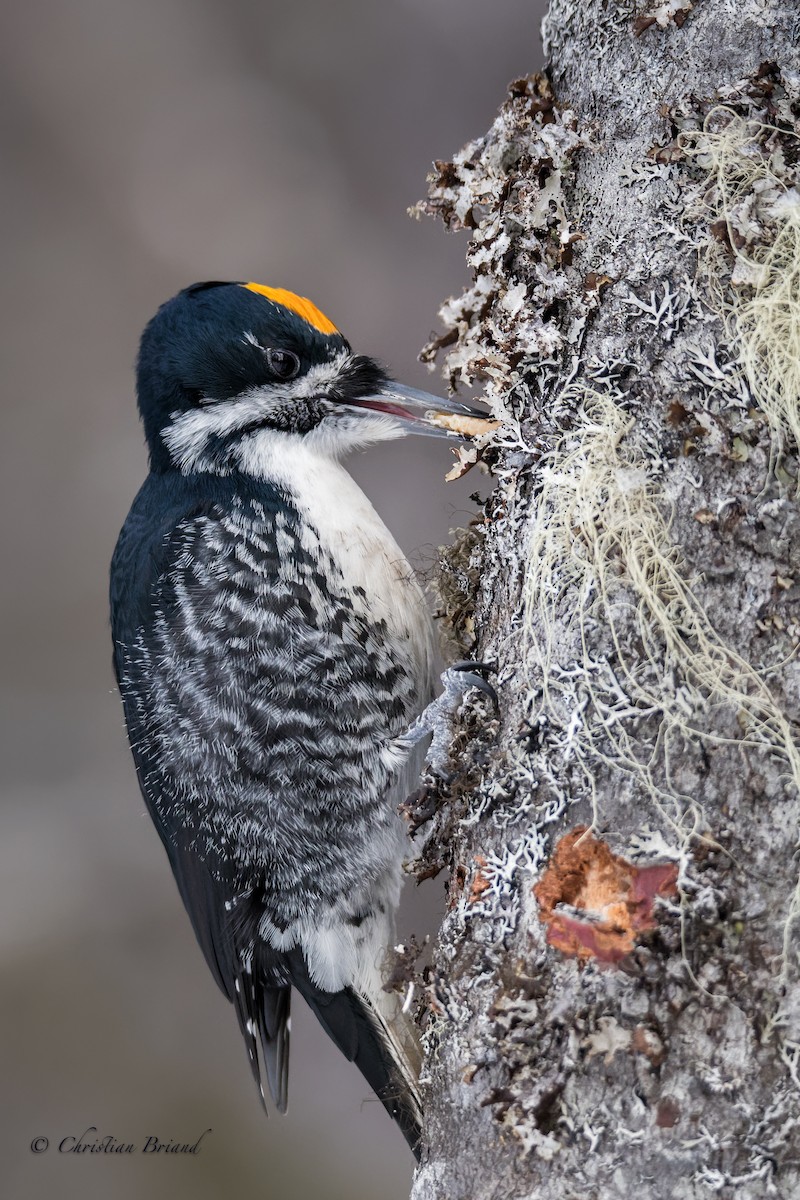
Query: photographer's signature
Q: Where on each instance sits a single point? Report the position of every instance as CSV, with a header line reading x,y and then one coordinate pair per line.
x,y
89,1143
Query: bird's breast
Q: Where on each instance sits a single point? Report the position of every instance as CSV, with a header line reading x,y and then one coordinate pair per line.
x,y
341,531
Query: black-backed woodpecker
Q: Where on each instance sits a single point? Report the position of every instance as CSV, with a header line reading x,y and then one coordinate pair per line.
x,y
272,646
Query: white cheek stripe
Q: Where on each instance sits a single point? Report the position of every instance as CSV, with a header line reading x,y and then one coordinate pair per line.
x,y
189,433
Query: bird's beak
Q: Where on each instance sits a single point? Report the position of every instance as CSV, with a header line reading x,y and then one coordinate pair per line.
x,y
422,412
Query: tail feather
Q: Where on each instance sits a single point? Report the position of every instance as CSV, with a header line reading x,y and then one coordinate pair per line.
x,y
274,1029
367,1039
382,1044
263,1014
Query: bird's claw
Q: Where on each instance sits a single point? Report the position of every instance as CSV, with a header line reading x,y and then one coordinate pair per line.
x,y
468,671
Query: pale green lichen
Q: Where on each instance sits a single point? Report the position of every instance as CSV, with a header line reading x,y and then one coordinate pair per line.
x,y
753,192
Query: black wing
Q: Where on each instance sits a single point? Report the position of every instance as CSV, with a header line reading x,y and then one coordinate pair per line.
x,y
146,619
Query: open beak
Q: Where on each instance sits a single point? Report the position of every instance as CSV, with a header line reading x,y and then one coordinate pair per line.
x,y
422,412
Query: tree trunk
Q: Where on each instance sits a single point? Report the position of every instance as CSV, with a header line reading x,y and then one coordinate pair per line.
x,y
614,1007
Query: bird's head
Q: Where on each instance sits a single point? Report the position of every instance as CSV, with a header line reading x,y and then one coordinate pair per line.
x,y
226,370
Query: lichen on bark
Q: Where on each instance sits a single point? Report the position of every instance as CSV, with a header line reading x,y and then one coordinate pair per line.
x,y
636,580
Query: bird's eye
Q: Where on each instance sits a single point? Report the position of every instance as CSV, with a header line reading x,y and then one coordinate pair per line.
x,y
283,363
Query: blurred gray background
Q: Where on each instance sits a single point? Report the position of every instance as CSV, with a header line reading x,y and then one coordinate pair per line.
x,y
148,145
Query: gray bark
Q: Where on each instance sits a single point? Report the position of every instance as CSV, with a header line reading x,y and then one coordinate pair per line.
x,y
632,1026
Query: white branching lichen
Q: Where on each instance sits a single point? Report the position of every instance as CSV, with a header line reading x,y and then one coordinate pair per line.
x,y
494,890
664,313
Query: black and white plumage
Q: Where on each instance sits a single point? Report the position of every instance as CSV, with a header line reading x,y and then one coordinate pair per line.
x,y
272,647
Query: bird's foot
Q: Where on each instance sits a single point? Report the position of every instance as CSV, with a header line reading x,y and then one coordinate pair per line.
x,y
435,721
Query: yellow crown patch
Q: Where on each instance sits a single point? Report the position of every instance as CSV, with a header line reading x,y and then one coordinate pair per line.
x,y
298,304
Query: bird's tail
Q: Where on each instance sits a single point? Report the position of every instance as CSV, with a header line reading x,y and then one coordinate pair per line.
x,y
383,1047
369,1029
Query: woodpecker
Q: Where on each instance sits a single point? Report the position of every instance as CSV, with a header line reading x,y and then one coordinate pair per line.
x,y
272,649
